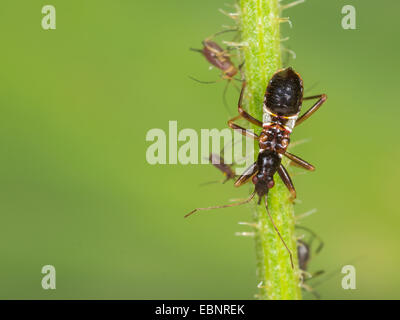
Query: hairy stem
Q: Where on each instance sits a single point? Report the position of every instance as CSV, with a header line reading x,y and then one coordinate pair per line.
x,y
260,36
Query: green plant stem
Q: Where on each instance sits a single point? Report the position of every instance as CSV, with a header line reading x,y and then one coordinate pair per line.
x,y
260,34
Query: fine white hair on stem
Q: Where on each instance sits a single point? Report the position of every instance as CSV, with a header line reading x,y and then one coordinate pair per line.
x,y
292,4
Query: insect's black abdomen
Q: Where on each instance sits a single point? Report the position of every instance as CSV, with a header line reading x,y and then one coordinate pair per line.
x,y
284,93
268,163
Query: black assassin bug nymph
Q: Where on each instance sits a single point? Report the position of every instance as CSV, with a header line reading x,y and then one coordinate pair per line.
x,y
281,109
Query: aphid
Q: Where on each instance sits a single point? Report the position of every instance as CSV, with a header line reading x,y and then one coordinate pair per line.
x,y
282,103
220,59
304,250
218,162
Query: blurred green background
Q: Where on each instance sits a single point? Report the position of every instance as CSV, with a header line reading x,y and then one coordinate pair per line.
x,y
76,191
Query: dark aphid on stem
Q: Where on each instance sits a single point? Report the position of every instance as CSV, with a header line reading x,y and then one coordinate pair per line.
x,y
282,103
304,247
304,254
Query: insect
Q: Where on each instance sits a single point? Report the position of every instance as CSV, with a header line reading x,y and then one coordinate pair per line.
x,y
220,59
304,257
281,109
304,249
218,162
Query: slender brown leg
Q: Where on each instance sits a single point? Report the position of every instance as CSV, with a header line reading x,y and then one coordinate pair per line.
x,y
250,171
299,162
224,206
249,118
224,97
286,180
316,274
205,82
311,290
221,32
243,131
322,98
243,113
233,83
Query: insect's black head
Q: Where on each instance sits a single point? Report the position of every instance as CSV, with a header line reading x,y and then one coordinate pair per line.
x,y
284,93
303,253
268,163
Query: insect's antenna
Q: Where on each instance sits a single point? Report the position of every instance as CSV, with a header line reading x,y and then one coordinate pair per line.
x,y
196,50
224,206
203,82
314,235
277,231
209,182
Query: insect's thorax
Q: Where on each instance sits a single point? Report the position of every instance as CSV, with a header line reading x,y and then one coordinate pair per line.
x,y
275,135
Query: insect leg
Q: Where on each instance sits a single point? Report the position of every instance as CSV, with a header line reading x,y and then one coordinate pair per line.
x,y
322,98
287,180
314,236
196,50
247,174
205,82
241,130
316,274
311,290
224,97
299,162
243,113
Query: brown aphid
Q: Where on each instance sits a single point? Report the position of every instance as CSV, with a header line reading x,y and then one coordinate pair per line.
x,y
218,162
219,58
